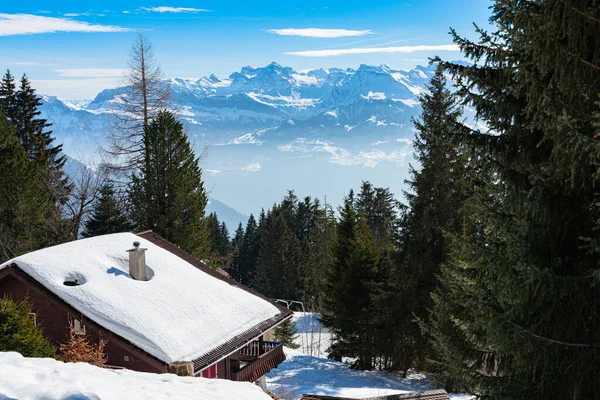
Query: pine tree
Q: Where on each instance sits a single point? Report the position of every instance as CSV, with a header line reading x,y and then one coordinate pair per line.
x,y
287,333
37,142
279,260
108,215
8,95
249,250
516,315
18,331
347,296
23,208
220,245
236,244
168,194
318,257
436,198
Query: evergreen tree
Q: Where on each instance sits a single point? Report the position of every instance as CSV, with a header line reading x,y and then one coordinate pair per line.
x,y
168,195
287,333
8,95
279,260
348,305
236,244
516,315
37,142
19,333
318,256
249,250
220,246
108,215
436,199
22,207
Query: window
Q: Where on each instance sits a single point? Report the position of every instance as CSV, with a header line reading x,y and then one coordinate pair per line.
x,y
33,317
79,327
126,358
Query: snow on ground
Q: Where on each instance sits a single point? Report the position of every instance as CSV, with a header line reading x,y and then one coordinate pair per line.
x,y
44,378
308,371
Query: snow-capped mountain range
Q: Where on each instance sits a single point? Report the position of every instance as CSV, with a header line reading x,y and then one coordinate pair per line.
x,y
249,103
273,118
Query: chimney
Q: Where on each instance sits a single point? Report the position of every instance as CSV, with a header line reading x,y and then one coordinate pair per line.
x,y
137,262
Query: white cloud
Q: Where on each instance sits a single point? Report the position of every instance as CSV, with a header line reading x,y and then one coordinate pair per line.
x,y
74,89
252,167
166,9
126,12
28,63
370,50
213,172
345,158
90,72
320,33
29,24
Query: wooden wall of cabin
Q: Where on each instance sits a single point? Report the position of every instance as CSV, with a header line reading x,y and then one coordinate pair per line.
x,y
54,319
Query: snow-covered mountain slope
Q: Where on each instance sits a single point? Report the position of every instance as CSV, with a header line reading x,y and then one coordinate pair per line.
x,y
272,128
45,378
254,99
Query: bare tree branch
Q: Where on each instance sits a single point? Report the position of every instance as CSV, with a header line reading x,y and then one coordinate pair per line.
x,y
143,94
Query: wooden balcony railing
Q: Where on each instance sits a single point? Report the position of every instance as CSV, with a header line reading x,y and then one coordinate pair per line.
x,y
271,357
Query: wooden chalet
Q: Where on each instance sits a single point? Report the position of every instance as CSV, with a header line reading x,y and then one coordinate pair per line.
x,y
159,309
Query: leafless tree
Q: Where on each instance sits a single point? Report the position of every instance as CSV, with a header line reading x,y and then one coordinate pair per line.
x,y
86,190
143,94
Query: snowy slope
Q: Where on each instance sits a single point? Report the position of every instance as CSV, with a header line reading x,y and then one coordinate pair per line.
x,y
308,371
253,99
44,378
303,374
180,314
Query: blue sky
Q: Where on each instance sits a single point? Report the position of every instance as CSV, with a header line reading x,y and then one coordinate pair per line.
x,y
73,50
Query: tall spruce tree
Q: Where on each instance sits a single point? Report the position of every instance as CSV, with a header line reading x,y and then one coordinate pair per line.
x,y
348,306
437,193
37,141
108,214
8,95
22,207
279,260
516,315
167,195
249,250
236,245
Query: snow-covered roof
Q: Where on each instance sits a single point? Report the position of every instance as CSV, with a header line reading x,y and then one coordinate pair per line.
x,y
180,314
45,378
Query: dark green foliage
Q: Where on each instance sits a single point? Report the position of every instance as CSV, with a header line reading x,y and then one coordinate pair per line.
x,y
220,245
18,332
249,250
287,333
348,306
279,261
436,199
516,316
42,168
236,245
108,215
167,195
22,206
37,142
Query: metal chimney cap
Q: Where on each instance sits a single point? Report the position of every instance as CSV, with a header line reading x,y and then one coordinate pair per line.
x,y
136,244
